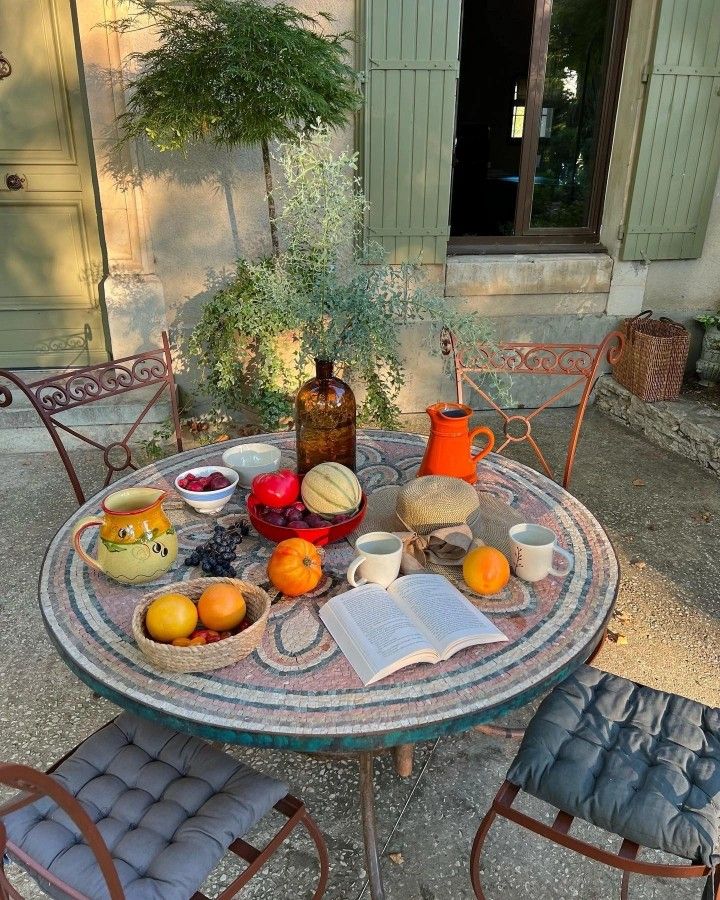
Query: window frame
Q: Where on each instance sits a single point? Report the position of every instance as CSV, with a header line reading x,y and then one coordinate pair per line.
x,y
556,240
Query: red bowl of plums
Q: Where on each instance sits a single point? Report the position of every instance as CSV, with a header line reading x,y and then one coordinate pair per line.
x,y
295,520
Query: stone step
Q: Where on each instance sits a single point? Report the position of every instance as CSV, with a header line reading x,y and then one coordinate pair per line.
x,y
104,420
688,427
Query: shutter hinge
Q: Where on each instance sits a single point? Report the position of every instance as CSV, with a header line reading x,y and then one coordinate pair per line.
x,y
645,73
621,232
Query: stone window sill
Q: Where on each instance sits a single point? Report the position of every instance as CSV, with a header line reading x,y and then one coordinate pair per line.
x,y
551,273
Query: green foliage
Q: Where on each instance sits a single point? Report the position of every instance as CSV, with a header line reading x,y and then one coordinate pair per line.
x,y
236,72
236,340
709,321
335,296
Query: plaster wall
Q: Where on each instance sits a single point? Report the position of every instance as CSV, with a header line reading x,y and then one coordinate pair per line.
x,y
174,224
690,285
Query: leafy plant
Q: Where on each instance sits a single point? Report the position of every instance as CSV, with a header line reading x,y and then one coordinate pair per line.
x,y
328,295
709,321
234,72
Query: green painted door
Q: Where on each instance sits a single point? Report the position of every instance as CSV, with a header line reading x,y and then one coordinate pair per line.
x,y
50,255
411,68
679,154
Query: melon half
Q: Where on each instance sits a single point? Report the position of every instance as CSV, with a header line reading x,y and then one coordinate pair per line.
x,y
331,489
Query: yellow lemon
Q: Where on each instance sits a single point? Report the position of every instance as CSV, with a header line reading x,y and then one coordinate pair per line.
x,y
171,616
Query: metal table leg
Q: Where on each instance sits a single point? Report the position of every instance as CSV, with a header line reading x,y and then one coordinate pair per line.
x,y
367,811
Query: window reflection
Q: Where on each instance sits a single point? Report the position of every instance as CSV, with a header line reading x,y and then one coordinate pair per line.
x,y
572,104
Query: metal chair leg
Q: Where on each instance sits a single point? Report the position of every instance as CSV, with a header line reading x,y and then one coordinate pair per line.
x,y
624,886
476,853
323,858
712,885
513,734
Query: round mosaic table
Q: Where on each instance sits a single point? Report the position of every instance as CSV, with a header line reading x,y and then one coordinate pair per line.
x,y
297,691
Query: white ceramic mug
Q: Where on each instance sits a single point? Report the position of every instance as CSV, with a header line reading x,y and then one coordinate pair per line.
x,y
379,555
532,552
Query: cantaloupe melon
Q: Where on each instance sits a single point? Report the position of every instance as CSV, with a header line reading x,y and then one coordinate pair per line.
x,y
330,489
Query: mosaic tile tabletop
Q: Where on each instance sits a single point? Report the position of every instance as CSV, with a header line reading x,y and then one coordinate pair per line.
x,y
297,690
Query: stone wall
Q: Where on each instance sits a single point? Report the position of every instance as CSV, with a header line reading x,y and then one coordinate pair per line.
x,y
688,427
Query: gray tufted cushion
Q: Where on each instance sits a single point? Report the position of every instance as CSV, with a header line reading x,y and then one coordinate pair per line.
x,y
167,805
637,762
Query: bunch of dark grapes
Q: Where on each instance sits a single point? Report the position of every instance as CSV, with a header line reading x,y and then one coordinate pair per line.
x,y
216,556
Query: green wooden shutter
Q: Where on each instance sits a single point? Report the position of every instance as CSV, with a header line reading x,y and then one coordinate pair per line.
x,y
679,153
411,68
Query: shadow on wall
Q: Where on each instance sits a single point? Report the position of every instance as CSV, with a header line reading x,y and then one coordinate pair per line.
x,y
219,171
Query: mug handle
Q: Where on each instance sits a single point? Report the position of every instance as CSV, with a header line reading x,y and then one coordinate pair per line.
x,y
488,447
570,562
79,528
353,569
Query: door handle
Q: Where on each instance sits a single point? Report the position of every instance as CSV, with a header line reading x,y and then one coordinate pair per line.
x,y
5,67
15,182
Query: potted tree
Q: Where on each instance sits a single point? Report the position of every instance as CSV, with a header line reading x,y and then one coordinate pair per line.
x,y
236,73
328,289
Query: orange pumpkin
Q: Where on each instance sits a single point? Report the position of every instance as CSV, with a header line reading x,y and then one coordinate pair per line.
x,y
486,570
295,567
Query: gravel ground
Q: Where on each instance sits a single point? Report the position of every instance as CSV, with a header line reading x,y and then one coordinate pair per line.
x,y
663,515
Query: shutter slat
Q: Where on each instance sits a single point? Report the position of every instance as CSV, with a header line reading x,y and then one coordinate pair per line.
x,y
411,74
679,151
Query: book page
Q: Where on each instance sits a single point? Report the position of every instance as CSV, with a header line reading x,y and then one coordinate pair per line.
x,y
373,632
446,617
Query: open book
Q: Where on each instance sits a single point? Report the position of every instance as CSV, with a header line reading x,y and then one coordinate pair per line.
x,y
419,618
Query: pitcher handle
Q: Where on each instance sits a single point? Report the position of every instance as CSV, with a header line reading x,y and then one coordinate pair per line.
x,y
79,528
488,447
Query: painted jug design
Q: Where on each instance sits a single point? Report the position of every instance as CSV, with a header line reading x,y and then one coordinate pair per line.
x,y
137,540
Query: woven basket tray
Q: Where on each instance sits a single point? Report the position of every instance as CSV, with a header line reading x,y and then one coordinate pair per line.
x,y
209,656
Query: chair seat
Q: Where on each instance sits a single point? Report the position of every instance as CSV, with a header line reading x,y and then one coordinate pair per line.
x,y
167,805
637,762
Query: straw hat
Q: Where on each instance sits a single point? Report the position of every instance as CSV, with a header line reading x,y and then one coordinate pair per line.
x,y
438,501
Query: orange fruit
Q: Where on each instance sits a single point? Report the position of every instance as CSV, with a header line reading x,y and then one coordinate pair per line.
x,y
171,616
486,570
221,607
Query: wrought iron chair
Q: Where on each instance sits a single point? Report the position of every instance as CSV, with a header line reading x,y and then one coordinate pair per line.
x,y
638,763
138,810
58,394
579,364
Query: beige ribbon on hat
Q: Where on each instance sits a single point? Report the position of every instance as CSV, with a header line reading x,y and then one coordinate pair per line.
x,y
443,547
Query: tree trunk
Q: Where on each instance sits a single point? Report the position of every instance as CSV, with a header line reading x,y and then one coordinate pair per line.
x,y
270,199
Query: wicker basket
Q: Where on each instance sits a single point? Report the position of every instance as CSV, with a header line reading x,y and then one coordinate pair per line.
x,y
207,657
653,361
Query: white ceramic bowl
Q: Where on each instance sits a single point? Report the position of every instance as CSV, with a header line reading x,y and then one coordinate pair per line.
x,y
249,460
208,502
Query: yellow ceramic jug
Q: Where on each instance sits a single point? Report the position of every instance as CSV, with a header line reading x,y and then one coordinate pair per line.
x,y
137,540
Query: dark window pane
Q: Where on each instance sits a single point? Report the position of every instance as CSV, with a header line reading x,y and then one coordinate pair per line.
x,y
494,58
580,32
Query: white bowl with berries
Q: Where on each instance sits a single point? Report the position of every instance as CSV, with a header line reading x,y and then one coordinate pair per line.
x,y
207,488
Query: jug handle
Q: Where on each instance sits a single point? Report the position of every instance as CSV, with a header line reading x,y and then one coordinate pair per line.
x,y
488,447
79,528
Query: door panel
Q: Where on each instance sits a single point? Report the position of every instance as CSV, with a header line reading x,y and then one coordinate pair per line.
x,y
35,114
50,253
44,254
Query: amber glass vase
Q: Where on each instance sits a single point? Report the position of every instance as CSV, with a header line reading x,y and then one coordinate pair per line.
x,y
325,420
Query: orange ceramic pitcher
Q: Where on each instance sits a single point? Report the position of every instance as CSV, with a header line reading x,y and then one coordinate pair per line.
x,y
449,449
